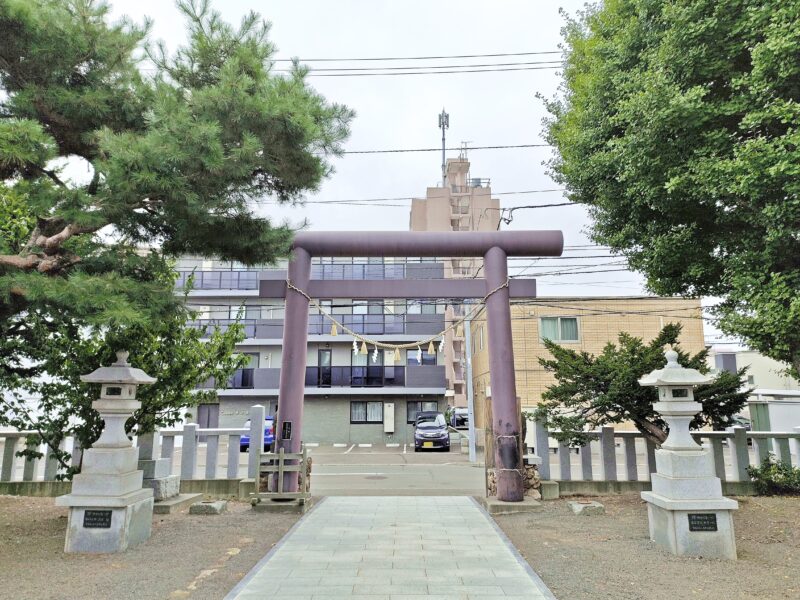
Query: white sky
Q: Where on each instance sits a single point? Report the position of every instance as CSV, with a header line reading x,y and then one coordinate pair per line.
x,y
401,112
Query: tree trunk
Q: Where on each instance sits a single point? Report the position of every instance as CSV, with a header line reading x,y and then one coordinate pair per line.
x,y
652,432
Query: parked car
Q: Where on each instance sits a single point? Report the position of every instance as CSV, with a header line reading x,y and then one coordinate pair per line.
x,y
430,431
269,435
459,418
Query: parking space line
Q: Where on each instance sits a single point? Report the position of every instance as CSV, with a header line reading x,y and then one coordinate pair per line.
x,y
404,448
349,449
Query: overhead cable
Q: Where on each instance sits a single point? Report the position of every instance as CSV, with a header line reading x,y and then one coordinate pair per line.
x,y
372,58
553,63
397,74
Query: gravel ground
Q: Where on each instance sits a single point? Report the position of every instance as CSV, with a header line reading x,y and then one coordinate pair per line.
x,y
195,557
611,556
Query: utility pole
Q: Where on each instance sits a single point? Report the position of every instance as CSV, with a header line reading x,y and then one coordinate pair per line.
x,y
468,375
444,124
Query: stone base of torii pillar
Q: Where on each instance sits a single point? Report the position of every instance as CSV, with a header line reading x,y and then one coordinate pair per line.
x,y
687,512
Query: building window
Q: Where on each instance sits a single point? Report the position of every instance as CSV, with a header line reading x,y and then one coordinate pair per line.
x,y
366,412
427,359
751,380
559,329
480,338
252,360
412,408
726,361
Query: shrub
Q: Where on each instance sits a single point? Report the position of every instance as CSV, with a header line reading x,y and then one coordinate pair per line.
x,y
775,477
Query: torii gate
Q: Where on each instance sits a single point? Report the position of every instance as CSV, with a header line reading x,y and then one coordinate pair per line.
x,y
494,247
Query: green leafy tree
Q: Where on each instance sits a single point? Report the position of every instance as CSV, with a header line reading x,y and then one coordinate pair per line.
x,y
677,127
592,391
174,157
108,144
189,369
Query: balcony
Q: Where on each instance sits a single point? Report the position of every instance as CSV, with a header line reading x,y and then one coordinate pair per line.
x,y
377,271
367,376
219,280
411,376
250,379
319,325
400,377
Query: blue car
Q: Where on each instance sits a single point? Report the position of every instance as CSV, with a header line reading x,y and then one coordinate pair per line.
x,y
269,435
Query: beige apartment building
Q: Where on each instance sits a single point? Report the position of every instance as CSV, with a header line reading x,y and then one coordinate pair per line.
x,y
464,203
583,324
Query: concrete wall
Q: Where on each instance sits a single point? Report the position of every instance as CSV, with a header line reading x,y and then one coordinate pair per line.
x,y
233,411
327,420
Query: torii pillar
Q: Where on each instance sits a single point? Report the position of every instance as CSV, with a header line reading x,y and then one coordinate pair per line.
x,y
494,247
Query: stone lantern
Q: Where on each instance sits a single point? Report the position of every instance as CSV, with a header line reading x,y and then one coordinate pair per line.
x,y
687,512
109,510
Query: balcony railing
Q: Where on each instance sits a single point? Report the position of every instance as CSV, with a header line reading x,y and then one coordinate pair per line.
x,y
219,280
377,271
413,324
363,324
242,380
208,325
410,376
367,376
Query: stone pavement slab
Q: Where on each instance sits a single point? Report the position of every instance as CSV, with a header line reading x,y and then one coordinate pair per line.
x,y
393,548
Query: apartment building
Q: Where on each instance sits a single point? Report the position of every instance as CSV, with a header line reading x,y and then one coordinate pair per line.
x,y
583,324
463,203
350,397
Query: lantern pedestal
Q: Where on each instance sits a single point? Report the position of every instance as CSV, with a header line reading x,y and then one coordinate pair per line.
x,y
109,510
687,512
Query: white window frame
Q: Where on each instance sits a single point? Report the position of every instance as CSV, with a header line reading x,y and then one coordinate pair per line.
x,y
559,317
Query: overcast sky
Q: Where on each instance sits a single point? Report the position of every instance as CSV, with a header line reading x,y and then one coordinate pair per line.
x,y
496,108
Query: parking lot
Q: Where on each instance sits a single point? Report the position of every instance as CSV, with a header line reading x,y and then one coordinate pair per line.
x,y
378,470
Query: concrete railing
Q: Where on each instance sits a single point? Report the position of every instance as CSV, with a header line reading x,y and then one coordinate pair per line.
x,y
191,436
613,455
20,468
182,446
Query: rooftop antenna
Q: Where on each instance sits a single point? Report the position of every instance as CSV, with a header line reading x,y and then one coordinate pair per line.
x,y
444,124
462,155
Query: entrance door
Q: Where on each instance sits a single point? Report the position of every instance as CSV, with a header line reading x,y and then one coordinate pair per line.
x,y
324,373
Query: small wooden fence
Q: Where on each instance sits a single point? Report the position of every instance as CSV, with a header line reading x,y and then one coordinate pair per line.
x,y
734,450
273,466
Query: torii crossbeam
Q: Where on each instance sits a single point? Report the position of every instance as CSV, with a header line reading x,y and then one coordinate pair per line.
x,y
494,247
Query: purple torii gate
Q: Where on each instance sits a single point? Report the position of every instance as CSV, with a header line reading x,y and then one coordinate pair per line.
x,y
494,247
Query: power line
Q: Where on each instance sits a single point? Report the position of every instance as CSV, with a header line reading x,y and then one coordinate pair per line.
x,y
564,273
372,58
504,69
564,257
398,198
554,63
402,150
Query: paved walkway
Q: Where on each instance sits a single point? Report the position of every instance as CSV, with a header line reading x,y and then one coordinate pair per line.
x,y
393,548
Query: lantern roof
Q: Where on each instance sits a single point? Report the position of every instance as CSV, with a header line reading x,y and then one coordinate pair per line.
x,y
674,374
119,372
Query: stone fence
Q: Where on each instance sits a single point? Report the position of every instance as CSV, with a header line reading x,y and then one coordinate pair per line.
x,y
627,456
194,453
